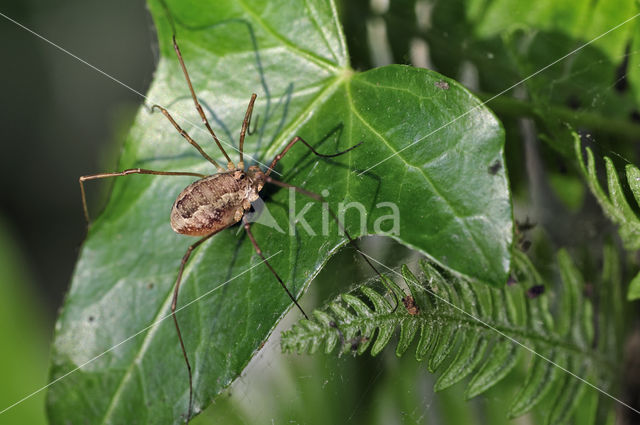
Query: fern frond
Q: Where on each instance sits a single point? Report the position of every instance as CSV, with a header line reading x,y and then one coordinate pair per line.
x,y
476,331
615,205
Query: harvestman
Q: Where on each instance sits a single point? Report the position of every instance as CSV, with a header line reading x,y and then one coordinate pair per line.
x,y
218,201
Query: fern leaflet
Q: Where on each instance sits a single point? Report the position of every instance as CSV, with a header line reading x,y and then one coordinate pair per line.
x,y
615,205
477,331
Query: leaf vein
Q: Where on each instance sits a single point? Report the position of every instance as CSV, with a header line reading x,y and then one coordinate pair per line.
x,y
456,214
312,57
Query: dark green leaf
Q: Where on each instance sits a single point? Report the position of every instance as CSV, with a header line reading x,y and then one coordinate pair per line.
x,y
468,357
568,397
502,359
408,331
572,303
428,336
540,379
447,339
587,411
293,56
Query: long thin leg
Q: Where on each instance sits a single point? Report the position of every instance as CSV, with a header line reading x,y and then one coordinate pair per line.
x,y
187,137
230,163
245,125
174,303
247,227
319,198
300,139
82,179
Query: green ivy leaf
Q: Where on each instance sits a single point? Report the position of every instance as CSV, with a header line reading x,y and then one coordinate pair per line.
x,y
450,189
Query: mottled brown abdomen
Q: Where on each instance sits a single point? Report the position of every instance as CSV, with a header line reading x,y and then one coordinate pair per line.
x,y
212,204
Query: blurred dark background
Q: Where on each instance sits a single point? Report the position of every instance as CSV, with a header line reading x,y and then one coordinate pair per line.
x,y
59,116
59,119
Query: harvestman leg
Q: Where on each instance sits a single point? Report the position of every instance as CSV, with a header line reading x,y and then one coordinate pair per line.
x,y
245,123
313,195
319,198
300,139
230,163
183,263
243,131
245,126
247,227
188,138
82,179
174,303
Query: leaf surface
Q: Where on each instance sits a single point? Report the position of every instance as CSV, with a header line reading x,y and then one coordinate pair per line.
x,y
443,170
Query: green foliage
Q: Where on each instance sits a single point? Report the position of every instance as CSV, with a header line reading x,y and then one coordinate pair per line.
x,y
507,42
293,55
22,330
475,331
615,204
443,165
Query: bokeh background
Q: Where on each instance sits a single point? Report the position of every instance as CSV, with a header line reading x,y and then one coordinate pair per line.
x,y
59,120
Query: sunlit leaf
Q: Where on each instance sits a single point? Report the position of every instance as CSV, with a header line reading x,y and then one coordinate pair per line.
x,y
438,157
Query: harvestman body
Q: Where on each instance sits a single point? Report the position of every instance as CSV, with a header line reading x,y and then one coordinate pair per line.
x,y
216,202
